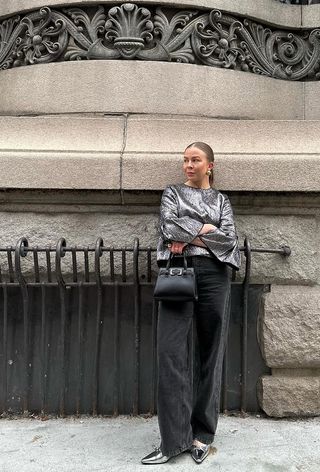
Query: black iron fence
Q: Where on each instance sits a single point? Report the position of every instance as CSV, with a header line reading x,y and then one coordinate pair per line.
x,y
78,331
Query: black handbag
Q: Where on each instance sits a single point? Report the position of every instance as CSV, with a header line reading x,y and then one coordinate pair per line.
x,y
176,283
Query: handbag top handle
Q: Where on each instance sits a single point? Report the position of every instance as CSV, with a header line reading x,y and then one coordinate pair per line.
x,y
185,263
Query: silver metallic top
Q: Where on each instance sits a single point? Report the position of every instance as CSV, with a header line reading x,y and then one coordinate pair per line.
x,y
183,212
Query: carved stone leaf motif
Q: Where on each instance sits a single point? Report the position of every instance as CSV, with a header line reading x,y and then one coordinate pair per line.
x,y
86,38
39,37
84,24
281,54
215,41
173,38
6,35
131,31
44,39
129,28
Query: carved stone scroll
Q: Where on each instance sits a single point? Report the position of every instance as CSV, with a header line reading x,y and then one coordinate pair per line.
x,y
131,31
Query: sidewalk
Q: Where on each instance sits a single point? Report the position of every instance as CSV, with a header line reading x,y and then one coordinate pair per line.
x,y
115,445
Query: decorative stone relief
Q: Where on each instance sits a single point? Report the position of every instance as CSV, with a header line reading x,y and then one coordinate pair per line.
x,y
131,31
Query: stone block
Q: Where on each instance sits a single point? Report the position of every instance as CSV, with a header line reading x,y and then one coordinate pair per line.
x,y
232,171
59,170
290,327
274,152
154,87
312,100
266,10
82,229
273,231
290,396
118,229
282,155
310,16
86,133
60,152
171,133
276,172
151,171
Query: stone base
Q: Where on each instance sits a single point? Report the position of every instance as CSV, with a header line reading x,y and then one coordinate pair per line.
x,y
290,327
289,338
282,396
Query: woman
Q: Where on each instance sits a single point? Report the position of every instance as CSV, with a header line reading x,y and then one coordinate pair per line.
x,y
195,220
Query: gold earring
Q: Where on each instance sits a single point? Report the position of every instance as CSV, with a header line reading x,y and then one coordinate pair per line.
x,y
208,172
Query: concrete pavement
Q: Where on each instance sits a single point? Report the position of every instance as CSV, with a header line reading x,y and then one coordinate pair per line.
x,y
117,444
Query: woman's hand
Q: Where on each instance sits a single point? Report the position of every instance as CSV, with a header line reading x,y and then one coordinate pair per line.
x,y
207,228
176,247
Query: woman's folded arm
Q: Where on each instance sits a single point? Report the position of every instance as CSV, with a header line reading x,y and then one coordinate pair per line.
x,y
173,227
223,241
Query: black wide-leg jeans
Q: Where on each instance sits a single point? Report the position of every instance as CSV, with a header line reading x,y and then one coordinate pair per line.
x,y
188,407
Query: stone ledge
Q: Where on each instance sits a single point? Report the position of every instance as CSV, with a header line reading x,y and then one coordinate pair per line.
x,y
240,148
64,171
72,200
155,133
169,133
62,133
233,172
33,149
153,88
60,152
290,396
290,324
266,10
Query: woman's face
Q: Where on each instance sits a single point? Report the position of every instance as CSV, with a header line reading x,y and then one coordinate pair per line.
x,y
196,165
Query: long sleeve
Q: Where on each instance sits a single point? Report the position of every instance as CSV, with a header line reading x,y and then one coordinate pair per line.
x,y
183,212
173,227
223,242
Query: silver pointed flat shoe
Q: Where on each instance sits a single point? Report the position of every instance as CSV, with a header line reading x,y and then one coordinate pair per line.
x,y
199,453
156,457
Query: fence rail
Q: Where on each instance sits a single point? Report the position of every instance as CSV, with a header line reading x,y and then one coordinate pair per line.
x,y
78,328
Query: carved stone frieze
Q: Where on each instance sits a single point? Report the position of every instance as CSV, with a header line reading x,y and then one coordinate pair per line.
x,y
131,31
